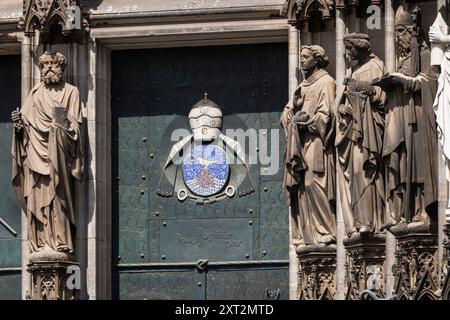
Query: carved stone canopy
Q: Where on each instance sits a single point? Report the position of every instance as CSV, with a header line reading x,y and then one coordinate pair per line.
x,y
53,16
300,12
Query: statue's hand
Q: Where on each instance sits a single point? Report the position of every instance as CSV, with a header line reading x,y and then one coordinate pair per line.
x,y
345,109
436,37
287,114
346,80
389,80
398,78
300,117
303,120
16,117
56,125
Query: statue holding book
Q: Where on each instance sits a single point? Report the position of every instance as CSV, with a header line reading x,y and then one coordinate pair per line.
x,y
359,138
410,136
47,157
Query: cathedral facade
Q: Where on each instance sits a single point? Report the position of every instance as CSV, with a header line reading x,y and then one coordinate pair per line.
x,y
239,149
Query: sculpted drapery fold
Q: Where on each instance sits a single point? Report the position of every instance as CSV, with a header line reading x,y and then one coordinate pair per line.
x,y
410,139
359,137
309,173
47,158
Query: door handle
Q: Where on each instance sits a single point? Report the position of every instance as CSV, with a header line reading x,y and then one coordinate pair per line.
x,y
202,264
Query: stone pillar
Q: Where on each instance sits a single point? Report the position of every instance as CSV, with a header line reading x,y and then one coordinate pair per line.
x,y
97,184
26,87
390,66
444,203
340,250
293,83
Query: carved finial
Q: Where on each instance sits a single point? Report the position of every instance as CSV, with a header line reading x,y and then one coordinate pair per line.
x,y
205,100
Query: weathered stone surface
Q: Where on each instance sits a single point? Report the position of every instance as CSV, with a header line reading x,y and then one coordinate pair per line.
x,y
317,276
48,255
365,264
50,281
10,9
416,270
120,6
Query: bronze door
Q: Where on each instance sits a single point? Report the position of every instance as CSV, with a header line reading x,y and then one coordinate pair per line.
x,y
10,235
161,245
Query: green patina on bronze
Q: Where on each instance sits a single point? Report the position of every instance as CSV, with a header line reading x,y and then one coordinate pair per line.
x,y
159,239
10,235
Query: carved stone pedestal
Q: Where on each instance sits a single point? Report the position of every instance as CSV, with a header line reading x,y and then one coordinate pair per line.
x,y
416,270
446,265
50,276
365,264
317,275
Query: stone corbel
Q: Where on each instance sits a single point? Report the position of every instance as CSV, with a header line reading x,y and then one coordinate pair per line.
x,y
416,271
317,276
365,265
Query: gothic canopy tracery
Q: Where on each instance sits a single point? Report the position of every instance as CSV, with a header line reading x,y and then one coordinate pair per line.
x,y
300,12
45,15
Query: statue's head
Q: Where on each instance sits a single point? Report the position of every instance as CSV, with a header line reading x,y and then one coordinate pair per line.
x,y
404,24
52,65
312,57
205,119
357,45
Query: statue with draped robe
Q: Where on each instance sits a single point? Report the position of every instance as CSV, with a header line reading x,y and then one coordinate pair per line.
x,y
309,169
47,157
410,138
359,139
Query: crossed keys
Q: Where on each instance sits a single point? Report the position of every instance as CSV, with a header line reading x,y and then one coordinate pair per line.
x,y
8,227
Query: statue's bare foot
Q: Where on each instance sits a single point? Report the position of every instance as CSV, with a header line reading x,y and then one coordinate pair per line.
x,y
399,228
420,223
64,249
421,217
328,239
364,230
391,223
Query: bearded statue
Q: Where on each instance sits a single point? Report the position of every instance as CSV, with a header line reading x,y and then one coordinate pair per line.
x,y
410,137
47,157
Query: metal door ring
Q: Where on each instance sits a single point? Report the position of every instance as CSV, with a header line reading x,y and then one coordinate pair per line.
x,y
230,191
182,195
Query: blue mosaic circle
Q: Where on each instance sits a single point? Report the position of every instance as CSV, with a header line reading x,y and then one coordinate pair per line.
x,y
205,170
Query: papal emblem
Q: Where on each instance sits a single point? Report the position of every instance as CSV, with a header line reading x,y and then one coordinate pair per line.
x,y
207,165
206,170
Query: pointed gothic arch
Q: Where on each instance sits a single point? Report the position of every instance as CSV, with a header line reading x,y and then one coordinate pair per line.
x,y
43,15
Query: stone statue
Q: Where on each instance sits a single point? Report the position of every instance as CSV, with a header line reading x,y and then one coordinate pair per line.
x,y
442,101
309,173
359,138
47,157
410,138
